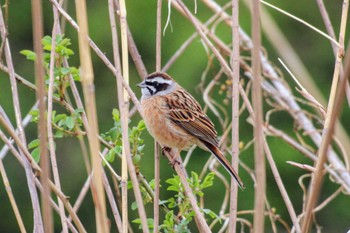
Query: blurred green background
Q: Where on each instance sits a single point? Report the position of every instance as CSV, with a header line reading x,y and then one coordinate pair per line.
x,y
314,50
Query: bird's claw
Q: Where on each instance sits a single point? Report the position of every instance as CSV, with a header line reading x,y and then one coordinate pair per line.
x,y
173,162
165,149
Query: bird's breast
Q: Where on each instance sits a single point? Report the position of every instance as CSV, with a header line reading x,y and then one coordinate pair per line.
x,y
166,132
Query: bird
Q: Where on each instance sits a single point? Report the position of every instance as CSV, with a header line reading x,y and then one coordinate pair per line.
x,y
176,120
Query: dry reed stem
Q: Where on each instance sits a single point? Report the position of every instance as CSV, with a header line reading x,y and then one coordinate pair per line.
x,y
38,225
278,40
38,33
282,188
331,33
28,159
25,122
235,60
12,198
90,106
156,145
50,136
283,96
181,172
124,178
260,187
113,203
334,104
124,108
103,57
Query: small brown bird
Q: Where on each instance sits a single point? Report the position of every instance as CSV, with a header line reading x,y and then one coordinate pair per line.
x,y
176,120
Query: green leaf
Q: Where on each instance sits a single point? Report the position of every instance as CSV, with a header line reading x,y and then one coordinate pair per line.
x,y
78,110
30,55
208,181
173,188
47,47
141,125
116,114
129,185
33,144
65,70
59,134
136,159
110,156
69,123
134,205
36,154
59,117
150,223
47,40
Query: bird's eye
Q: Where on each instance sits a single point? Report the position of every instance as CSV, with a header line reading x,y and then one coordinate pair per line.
x,y
155,83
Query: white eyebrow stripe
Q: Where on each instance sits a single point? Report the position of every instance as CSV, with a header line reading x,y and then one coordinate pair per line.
x,y
160,80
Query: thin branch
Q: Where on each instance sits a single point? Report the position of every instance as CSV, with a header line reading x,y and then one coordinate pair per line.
x,y
49,117
235,64
89,95
12,198
156,145
333,110
260,189
38,224
199,218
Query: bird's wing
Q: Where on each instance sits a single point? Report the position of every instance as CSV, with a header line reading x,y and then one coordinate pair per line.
x,y
186,112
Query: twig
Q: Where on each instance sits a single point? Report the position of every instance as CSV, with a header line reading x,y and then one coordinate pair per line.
x,y
199,218
301,21
156,145
12,198
123,100
49,118
113,203
89,95
259,157
27,158
38,224
335,101
282,188
124,177
235,60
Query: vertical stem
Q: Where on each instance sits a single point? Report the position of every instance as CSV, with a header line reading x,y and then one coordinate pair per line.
x,y
258,122
12,198
235,113
38,224
327,134
124,112
181,172
120,100
49,116
156,145
40,82
92,131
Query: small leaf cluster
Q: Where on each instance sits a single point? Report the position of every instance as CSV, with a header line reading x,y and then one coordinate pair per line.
x,y
61,70
63,124
114,138
180,202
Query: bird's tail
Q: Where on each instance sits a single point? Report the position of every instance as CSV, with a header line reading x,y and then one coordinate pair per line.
x,y
222,159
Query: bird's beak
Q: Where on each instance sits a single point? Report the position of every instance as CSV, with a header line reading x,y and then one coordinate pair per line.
x,y
142,84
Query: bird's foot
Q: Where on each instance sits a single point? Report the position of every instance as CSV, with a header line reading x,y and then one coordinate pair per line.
x,y
173,162
165,149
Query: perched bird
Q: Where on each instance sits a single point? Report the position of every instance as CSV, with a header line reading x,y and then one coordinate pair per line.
x,y
176,120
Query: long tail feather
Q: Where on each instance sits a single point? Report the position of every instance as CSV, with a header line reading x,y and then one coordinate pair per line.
x,y
224,162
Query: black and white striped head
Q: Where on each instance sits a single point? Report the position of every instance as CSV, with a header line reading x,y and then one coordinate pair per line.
x,y
156,84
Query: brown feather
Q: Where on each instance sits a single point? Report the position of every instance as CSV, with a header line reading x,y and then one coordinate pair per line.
x,y
225,163
186,112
